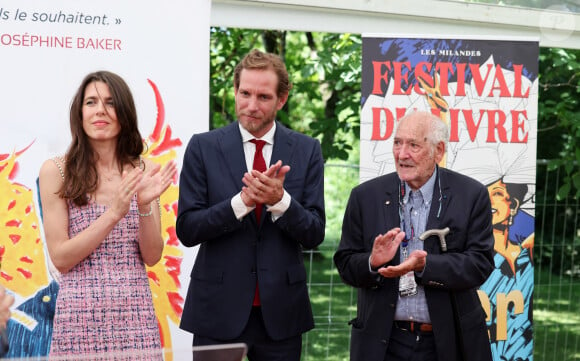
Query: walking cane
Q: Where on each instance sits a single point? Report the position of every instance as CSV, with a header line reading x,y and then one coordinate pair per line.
x,y
441,233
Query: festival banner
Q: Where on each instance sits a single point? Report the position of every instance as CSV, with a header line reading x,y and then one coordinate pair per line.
x,y
47,48
486,91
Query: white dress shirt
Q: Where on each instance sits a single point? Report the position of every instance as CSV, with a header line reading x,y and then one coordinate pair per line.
x,y
239,207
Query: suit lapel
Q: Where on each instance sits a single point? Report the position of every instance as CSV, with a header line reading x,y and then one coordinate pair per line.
x,y
439,206
282,145
439,202
233,152
390,210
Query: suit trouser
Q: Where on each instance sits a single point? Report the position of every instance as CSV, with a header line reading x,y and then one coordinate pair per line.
x,y
260,346
405,345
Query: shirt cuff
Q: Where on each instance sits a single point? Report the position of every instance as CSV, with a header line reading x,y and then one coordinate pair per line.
x,y
371,270
239,207
277,210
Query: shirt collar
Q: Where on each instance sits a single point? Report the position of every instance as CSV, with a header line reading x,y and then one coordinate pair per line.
x,y
268,137
426,189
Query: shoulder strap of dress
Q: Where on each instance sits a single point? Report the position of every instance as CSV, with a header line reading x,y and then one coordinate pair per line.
x,y
59,161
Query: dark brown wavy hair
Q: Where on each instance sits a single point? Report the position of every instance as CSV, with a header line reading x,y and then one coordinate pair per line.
x,y
80,174
258,60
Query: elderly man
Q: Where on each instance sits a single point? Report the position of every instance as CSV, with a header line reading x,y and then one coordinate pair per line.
x,y
417,297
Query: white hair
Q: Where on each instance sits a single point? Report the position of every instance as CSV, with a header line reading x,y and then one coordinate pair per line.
x,y
438,130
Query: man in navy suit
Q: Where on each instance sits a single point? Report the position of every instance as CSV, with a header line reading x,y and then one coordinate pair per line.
x,y
417,299
248,283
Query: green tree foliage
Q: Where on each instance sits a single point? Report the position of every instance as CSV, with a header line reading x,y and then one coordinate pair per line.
x,y
325,70
559,115
557,242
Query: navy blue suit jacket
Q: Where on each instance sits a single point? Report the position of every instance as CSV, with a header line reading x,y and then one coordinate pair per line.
x,y
373,209
234,253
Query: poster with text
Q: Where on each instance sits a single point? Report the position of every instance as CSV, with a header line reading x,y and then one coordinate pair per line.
x,y
486,91
46,49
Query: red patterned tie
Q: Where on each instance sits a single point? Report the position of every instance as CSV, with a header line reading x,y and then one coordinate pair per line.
x,y
259,165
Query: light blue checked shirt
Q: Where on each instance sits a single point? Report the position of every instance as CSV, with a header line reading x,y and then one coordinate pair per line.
x,y
416,206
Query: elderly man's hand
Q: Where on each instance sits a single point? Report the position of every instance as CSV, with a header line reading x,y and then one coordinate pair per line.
x,y
385,247
416,262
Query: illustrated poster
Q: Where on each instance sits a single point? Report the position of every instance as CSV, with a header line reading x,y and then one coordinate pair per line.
x,y
46,49
486,91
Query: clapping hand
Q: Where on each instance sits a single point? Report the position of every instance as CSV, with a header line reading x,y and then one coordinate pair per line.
x,y
127,189
385,247
154,182
415,262
265,187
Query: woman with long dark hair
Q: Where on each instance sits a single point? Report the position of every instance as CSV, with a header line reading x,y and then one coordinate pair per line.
x,y
102,224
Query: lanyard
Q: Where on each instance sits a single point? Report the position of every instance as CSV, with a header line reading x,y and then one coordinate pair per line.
x,y
407,284
402,192
405,243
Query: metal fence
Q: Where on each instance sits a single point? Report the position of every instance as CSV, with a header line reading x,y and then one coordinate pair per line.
x,y
556,310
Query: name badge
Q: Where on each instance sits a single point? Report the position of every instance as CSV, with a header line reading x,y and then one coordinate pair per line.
x,y
407,285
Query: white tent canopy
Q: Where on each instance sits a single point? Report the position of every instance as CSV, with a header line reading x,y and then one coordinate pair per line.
x,y
553,26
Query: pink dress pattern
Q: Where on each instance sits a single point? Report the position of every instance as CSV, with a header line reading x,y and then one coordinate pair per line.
x,y
104,303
